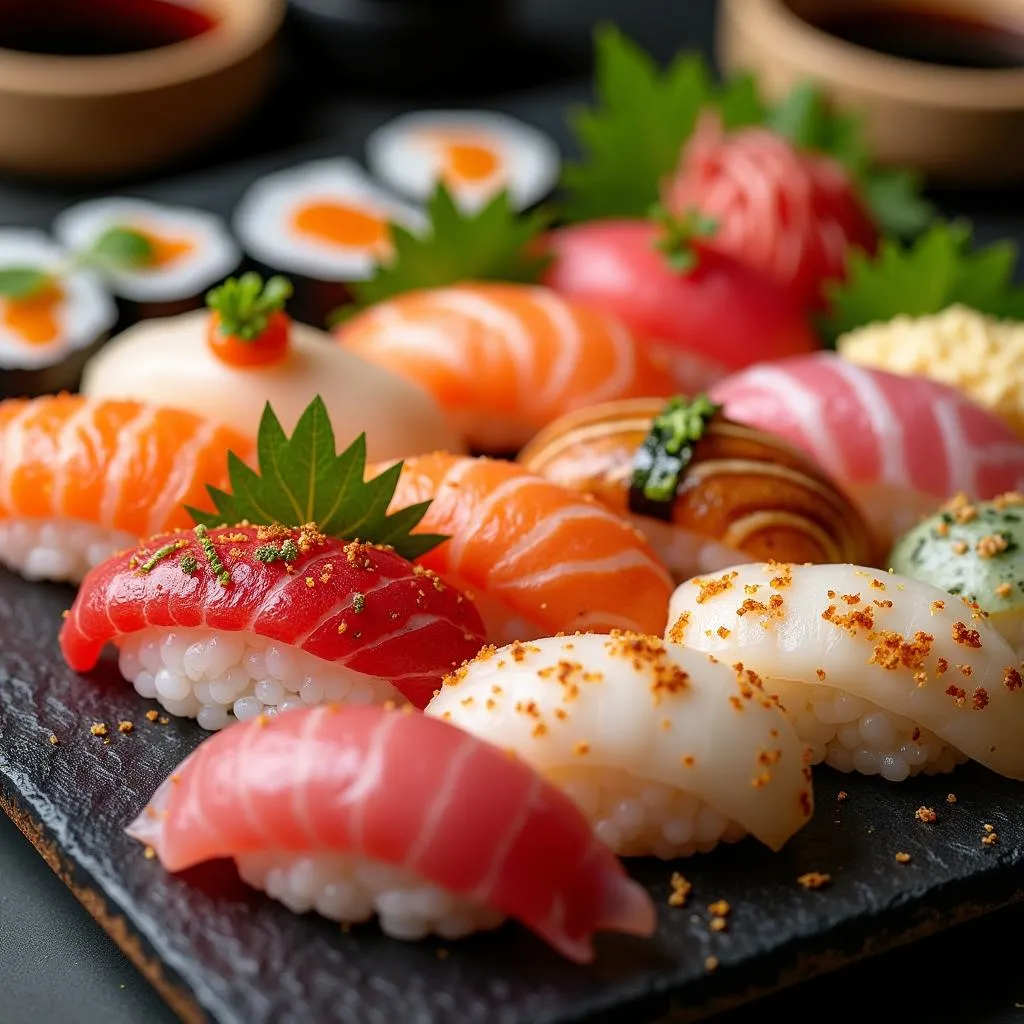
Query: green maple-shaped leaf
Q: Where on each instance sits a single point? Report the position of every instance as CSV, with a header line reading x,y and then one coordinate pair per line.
x,y
489,244
302,479
938,270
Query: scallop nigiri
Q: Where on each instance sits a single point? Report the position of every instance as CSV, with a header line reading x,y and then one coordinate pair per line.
x,y
898,445
503,360
320,810
881,674
82,478
667,751
536,557
234,622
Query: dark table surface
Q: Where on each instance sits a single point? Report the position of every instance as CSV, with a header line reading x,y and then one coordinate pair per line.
x,y
58,967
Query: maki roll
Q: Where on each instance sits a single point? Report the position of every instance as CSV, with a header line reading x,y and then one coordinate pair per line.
x,y
227,361
468,837
82,478
52,315
881,674
703,489
256,611
326,225
668,752
973,550
475,154
157,260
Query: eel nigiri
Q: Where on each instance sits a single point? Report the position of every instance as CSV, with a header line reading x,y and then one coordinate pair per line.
x,y
503,360
246,620
82,478
897,445
705,491
537,558
667,751
320,810
881,674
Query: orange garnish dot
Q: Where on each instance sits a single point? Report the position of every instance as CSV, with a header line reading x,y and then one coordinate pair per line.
x,y
167,250
470,161
34,318
339,224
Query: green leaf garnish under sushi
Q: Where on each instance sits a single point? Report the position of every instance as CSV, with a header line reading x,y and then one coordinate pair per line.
x,y
491,244
120,249
940,269
634,137
302,479
22,282
661,460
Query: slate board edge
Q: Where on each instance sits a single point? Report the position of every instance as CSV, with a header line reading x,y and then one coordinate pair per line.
x,y
915,923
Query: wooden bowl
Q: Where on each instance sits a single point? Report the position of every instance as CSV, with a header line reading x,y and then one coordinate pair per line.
x,y
956,125
102,117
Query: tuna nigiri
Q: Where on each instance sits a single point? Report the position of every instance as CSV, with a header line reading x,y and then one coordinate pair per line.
x,y
898,445
667,751
82,478
242,620
880,673
537,557
503,360
320,810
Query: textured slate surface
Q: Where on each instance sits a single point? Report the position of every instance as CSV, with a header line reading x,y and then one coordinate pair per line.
x,y
221,952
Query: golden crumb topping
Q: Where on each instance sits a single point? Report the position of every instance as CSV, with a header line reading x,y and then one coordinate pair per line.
x,y
814,880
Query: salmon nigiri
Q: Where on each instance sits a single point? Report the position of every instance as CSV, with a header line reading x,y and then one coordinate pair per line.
x,y
81,478
320,810
537,557
504,360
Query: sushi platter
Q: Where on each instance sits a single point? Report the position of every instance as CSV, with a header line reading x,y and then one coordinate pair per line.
x,y
458,583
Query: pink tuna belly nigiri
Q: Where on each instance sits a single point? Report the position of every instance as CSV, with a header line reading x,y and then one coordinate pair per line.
x,y
898,445
247,619
504,360
320,810
537,557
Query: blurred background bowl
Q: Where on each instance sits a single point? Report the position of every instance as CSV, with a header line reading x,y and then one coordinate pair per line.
x,y
86,95
959,125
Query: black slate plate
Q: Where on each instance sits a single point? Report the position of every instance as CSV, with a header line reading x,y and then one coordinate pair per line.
x,y
220,952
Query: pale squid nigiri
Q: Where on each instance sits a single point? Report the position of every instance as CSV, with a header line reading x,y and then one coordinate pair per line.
x,y
880,673
667,751
320,810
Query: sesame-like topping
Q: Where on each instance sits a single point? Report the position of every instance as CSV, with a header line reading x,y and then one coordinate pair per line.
x,y
750,589
884,603
960,547
1004,590
784,580
958,694
687,760
842,796
851,598
989,839
1012,679
941,667
991,546
581,749
723,632
678,630
649,653
718,924
53,740
813,880
903,858
711,588
820,673
926,815
937,606
851,621
125,726
98,729
979,699
720,908
681,889
771,610
893,651
965,636
1008,499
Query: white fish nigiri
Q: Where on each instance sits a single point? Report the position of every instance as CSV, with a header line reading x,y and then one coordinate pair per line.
x,y
667,751
881,674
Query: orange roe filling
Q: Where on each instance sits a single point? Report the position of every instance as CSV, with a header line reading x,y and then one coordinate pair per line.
x,y
35,318
342,225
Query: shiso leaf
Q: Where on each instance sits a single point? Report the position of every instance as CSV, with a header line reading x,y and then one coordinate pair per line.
x,y
22,282
245,304
120,249
490,244
302,479
633,138
927,276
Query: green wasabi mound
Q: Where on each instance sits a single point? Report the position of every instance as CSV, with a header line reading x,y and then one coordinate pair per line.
x,y
974,551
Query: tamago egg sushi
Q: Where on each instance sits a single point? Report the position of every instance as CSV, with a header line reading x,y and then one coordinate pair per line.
x,y
157,259
325,224
881,674
474,154
52,317
667,751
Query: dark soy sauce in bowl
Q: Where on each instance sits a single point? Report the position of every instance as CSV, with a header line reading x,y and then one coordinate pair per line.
x,y
98,28
929,36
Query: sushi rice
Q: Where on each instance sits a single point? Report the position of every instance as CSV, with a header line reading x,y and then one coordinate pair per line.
x,y
60,549
218,677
